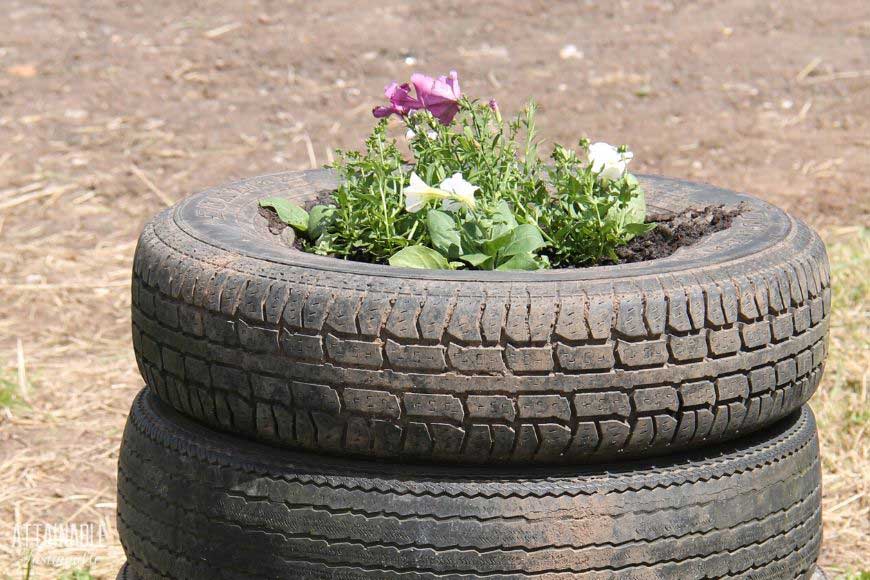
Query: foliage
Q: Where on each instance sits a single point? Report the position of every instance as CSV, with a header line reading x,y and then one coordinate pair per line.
x,y
523,215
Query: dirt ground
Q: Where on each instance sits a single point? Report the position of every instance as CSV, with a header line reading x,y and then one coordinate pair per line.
x,y
109,111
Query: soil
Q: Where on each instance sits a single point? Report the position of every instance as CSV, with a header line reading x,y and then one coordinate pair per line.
x,y
672,231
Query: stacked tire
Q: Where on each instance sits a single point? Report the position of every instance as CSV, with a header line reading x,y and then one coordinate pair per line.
x,y
306,417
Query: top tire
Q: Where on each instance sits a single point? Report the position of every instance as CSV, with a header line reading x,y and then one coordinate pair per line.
x,y
586,365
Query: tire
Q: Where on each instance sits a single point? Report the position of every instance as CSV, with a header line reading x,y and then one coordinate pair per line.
x,y
197,504
564,366
125,574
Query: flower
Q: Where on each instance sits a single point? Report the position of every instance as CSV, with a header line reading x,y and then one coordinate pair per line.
x,y
439,96
461,190
401,101
453,190
607,161
494,106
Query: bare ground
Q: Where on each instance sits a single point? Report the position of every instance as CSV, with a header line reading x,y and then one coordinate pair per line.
x,y
109,111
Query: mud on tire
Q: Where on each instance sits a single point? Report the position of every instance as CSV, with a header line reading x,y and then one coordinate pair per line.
x,y
588,365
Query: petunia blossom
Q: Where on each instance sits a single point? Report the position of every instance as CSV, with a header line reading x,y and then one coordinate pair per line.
x,y
607,161
453,189
401,101
440,96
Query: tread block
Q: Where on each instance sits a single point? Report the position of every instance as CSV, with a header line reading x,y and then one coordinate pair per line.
x,y
629,316
724,341
786,372
554,440
276,298
491,407
151,351
428,405
571,323
197,371
527,442
543,406
257,338
173,362
301,346
372,314
190,320
482,359
747,307
402,321
271,389
478,442
265,422
686,428
448,439
410,357
358,435
375,403
804,361
591,357
312,396
606,403
292,313
698,393
732,387
757,334
516,326
817,311
342,313
801,319
642,434
692,347
529,359
354,352
783,326
762,379
542,317
678,311
614,434
386,437
666,429
316,308
465,321
639,354
219,329
493,318
696,307
502,441
713,304
585,440
418,442
329,430
600,317
703,423
655,398
433,317
166,311
655,308
230,379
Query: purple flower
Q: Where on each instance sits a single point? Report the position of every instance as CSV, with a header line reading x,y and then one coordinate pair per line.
x,y
401,101
438,96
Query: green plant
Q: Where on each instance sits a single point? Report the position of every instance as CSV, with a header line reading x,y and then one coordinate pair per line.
x,y
10,393
501,207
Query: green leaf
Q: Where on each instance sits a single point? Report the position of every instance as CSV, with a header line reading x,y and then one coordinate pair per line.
x,y
494,245
524,238
475,259
635,210
288,212
318,219
638,229
419,257
445,235
524,261
503,220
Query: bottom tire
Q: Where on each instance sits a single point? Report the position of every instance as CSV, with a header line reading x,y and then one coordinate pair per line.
x,y
196,504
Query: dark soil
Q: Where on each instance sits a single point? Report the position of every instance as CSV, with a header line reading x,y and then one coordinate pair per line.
x,y
674,231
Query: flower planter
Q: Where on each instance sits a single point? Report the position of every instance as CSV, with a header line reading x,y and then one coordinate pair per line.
x,y
241,332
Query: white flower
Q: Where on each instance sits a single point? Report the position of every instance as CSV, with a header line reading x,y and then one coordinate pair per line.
x,y
454,191
410,134
463,193
607,161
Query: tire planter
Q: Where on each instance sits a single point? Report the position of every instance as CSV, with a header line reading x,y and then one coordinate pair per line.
x,y
247,335
197,504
